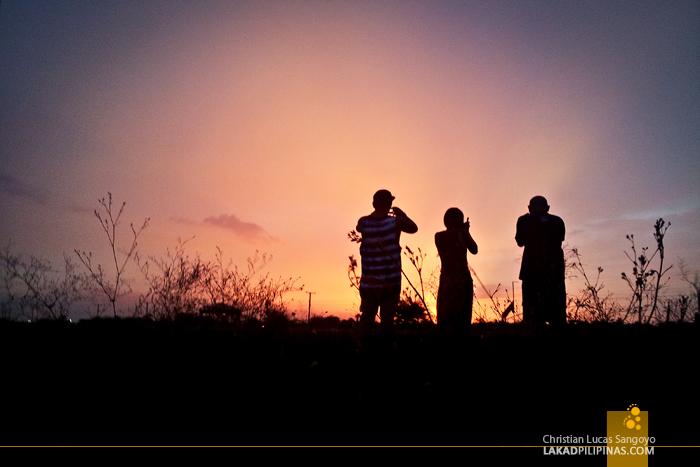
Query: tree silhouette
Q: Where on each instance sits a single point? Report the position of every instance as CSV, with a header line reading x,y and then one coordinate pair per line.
x,y
111,289
642,274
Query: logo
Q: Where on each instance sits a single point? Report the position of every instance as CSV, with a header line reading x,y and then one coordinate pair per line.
x,y
633,420
629,443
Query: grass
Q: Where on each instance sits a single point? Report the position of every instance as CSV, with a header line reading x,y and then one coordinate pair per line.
x,y
128,381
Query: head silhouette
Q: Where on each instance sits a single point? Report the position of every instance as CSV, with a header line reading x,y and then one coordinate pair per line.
x,y
382,200
538,204
454,217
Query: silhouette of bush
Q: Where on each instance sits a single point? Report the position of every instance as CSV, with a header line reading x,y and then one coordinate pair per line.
x,y
645,295
500,309
324,322
276,320
221,311
410,312
32,289
253,293
316,322
332,321
694,282
347,324
591,305
675,310
112,289
182,285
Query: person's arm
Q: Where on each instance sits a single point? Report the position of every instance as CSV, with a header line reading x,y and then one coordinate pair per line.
x,y
520,231
563,230
403,223
469,241
360,225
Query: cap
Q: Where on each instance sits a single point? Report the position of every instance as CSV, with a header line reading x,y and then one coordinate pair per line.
x,y
383,195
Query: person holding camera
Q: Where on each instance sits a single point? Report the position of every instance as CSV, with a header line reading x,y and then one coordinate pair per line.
x,y
456,292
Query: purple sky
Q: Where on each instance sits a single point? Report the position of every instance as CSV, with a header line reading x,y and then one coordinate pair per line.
x,y
269,124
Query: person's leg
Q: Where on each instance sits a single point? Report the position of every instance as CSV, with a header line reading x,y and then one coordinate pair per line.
x,y
556,301
468,306
387,314
388,306
528,301
369,306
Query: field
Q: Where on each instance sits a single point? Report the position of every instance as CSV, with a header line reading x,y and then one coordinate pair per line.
x,y
135,382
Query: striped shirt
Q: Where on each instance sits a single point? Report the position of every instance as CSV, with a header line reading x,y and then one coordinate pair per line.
x,y
380,252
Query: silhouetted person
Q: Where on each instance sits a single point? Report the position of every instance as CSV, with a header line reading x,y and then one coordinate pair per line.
x,y
380,283
542,269
456,292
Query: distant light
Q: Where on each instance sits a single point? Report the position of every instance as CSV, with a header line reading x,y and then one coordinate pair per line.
x,y
29,320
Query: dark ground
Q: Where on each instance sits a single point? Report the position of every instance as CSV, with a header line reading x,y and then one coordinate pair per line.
x,y
127,382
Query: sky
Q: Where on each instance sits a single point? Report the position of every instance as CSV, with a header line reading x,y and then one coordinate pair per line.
x,y
268,125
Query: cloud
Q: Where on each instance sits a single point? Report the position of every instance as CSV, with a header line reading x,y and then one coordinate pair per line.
x,y
15,188
248,230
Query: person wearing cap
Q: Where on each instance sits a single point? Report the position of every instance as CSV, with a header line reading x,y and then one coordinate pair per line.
x,y
542,270
380,282
456,292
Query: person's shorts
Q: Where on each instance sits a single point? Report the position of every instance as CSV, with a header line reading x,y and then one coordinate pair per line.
x,y
379,297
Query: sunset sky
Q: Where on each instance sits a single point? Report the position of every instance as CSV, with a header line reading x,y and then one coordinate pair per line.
x,y
268,125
